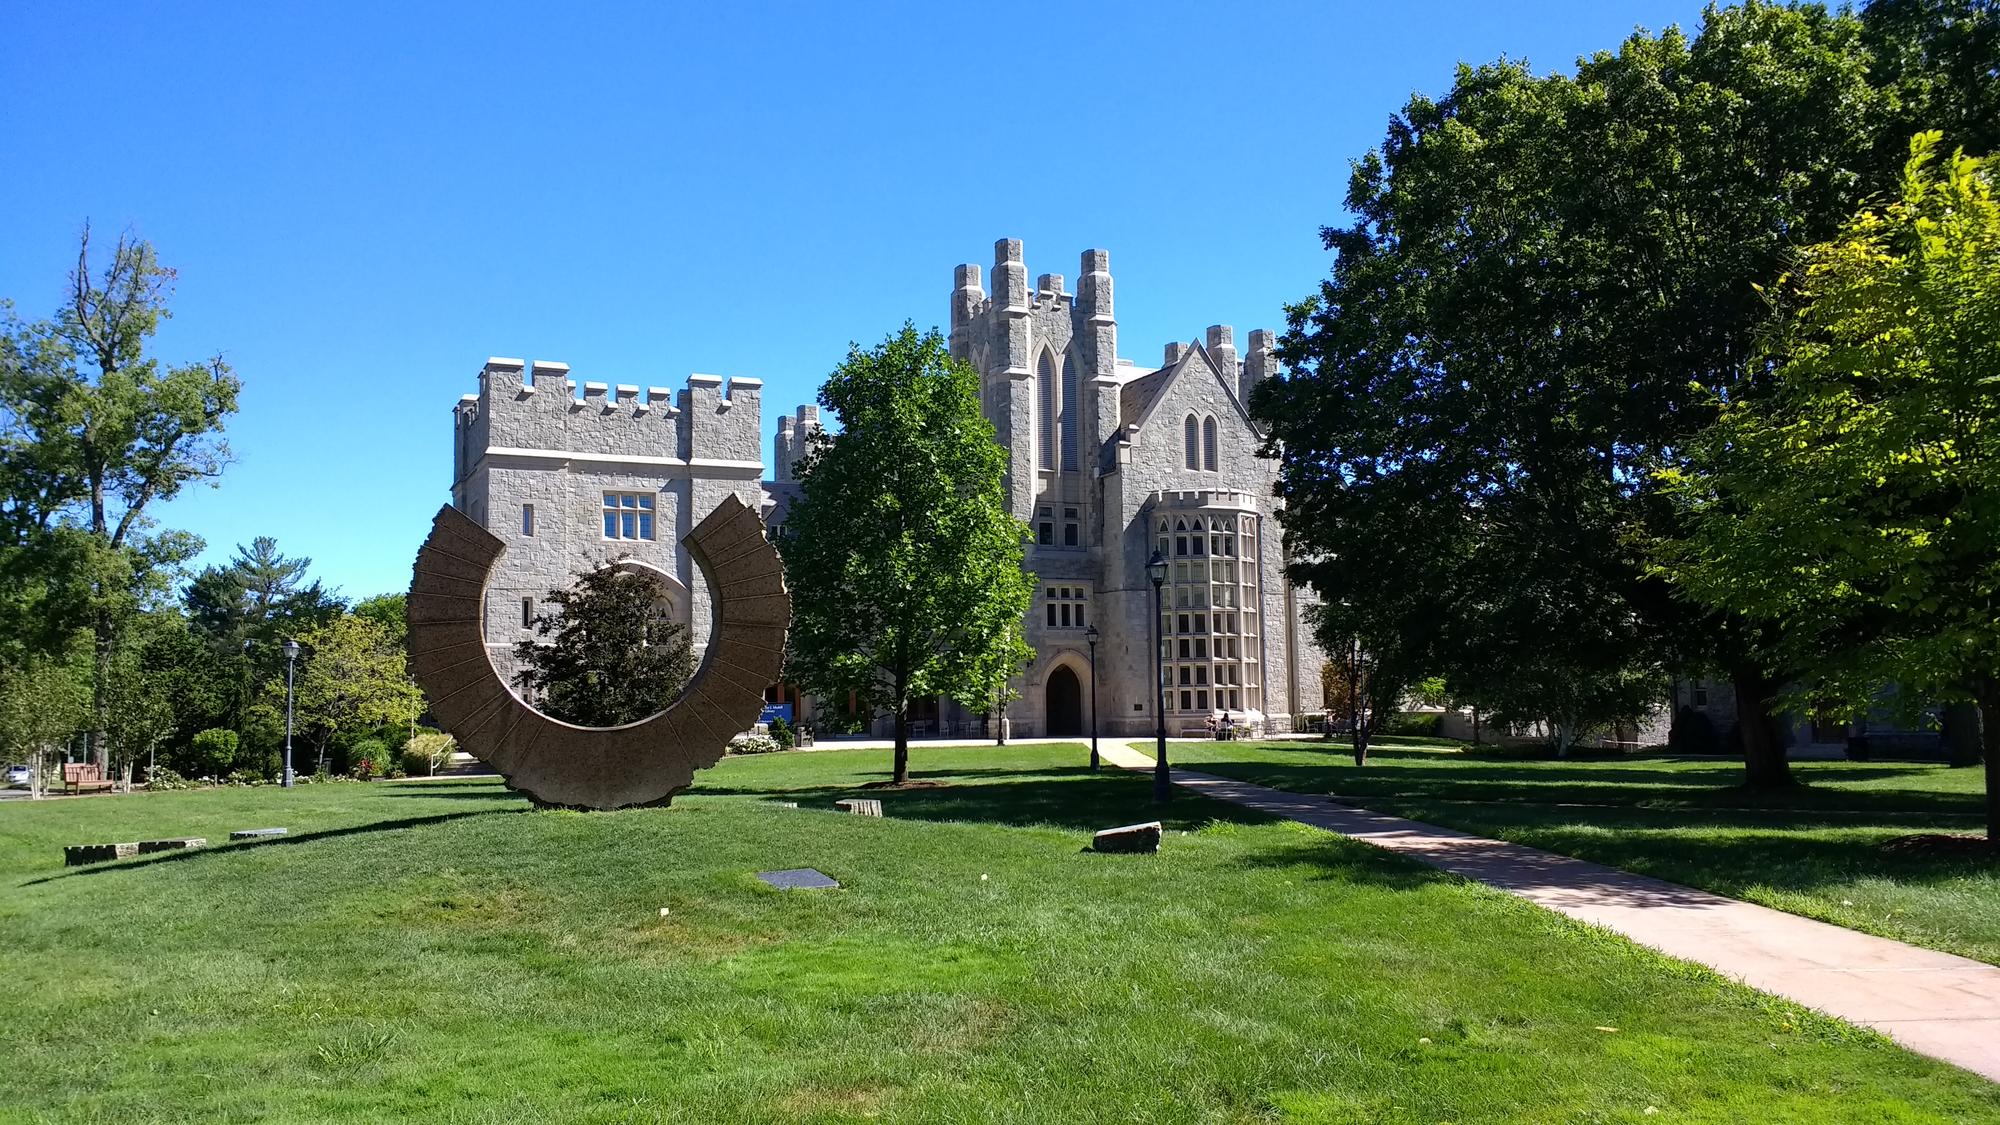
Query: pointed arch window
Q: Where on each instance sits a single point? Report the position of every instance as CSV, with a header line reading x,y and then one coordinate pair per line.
x,y
1045,411
1208,443
1068,411
1191,435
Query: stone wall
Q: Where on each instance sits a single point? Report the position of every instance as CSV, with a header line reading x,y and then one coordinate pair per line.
x,y
528,438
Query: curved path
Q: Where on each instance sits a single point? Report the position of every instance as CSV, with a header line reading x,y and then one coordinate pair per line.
x,y
1936,1004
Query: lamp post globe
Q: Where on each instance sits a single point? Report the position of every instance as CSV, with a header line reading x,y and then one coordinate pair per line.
x,y
291,665
1156,573
1091,637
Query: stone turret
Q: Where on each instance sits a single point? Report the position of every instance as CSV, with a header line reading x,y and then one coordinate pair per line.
x,y
1260,364
795,433
1222,352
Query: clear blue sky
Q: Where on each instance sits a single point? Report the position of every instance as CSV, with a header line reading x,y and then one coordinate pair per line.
x,y
366,201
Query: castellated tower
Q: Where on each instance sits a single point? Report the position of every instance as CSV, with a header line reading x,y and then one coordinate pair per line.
x,y
1109,461
573,477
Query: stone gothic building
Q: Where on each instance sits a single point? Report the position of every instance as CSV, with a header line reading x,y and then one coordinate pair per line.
x,y
1109,462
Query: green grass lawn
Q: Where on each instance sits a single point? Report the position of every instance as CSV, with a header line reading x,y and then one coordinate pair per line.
x,y
439,950
1816,851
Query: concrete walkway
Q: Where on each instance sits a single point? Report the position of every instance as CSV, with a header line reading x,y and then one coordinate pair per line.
x,y
1934,1003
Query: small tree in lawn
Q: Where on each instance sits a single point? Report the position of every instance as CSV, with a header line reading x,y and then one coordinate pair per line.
x,y
606,654
903,560
352,677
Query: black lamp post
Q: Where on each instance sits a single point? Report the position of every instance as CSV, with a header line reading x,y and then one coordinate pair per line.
x,y
1156,572
1090,636
291,664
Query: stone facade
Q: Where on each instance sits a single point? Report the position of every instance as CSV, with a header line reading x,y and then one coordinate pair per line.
x,y
535,462
1109,461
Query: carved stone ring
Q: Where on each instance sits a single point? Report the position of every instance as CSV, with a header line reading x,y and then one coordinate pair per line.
x,y
562,764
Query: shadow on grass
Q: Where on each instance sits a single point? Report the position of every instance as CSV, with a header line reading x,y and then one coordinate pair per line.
x,y
234,846
1067,798
1338,859
1724,853
494,792
1720,788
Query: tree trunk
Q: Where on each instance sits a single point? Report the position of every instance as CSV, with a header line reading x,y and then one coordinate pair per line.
x,y
1764,761
1962,733
902,771
1987,691
100,692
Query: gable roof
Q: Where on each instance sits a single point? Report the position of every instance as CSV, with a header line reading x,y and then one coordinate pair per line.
x,y
1137,395
1137,399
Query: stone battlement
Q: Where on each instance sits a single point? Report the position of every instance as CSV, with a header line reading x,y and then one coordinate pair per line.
x,y
537,407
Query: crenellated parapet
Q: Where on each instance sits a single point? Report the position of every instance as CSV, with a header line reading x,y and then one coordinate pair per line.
x,y
537,408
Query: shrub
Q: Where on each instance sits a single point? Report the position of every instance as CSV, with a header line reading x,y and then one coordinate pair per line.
x,y
781,733
753,744
1692,733
160,777
212,752
370,758
1413,723
427,752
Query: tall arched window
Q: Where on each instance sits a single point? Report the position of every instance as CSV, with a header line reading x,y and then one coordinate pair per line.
x,y
1191,433
1068,415
1208,443
1045,410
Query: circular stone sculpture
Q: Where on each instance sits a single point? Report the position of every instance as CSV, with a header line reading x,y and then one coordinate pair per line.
x,y
561,764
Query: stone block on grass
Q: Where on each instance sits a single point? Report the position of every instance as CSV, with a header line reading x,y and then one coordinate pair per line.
x,y
860,806
1131,839
76,855
175,844
254,833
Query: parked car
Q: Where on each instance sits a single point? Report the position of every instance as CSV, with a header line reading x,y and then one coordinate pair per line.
x,y
19,775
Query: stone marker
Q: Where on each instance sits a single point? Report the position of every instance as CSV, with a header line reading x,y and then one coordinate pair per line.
x,y
171,845
799,879
253,833
783,804
1131,838
76,855
860,807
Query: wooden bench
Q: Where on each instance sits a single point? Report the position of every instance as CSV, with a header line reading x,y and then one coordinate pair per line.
x,y
81,777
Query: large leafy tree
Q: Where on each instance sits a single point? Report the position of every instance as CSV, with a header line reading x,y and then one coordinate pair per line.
x,y
247,608
902,558
1547,281
1857,506
93,433
606,653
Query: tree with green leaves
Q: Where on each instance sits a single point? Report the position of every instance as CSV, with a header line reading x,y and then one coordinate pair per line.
x,y
903,560
391,611
351,677
1548,281
247,608
44,701
1856,507
606,653
93,433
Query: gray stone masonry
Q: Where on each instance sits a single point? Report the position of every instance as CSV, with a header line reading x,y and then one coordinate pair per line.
x,y
535,459
1052,383
1099,457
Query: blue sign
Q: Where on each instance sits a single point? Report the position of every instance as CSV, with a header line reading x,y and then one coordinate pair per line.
x,y
774,711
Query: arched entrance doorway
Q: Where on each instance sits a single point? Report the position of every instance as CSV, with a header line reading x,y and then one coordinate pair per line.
x,y
1065,702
